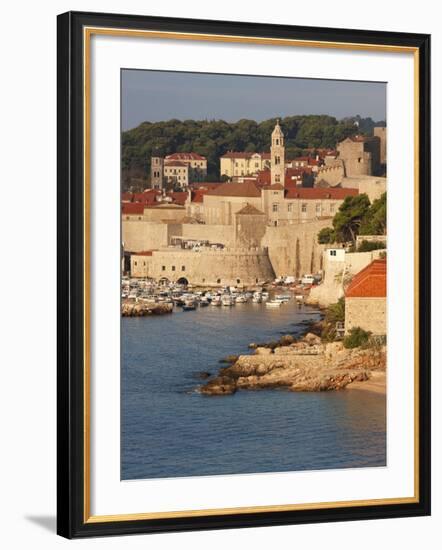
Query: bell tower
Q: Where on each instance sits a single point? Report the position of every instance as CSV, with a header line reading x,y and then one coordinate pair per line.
x,y
277,154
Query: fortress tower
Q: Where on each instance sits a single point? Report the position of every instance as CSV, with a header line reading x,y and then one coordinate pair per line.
x,y
277,154
156,172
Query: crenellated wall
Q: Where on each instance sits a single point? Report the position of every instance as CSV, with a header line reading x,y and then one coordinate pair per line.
x,y
233,267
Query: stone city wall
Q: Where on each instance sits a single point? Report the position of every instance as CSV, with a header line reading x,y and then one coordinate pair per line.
x,y
238,267
294,249
367,313
337,275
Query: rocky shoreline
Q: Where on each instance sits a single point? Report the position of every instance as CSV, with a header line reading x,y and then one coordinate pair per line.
x,y
305,365
140,309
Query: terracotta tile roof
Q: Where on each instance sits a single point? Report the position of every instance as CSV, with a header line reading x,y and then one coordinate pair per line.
x,y
361,139
198,194
132,208
178,197
174,163
236,155
249,209
263,177
275,187
185,156
244,155
147,197
315,193
143,253
127,197
371,282
233,189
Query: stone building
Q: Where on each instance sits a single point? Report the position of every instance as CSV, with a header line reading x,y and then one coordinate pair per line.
x,y
277,154
177,169
381,133
156,172
366,299
237,164
176,173
197,164
360,155
338,267
206,267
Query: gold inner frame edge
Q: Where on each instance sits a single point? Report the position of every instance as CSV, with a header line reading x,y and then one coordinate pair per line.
x,y
87,34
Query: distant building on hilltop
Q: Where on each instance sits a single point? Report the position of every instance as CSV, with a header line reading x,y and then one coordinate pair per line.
x,y
177,170
360,155
381,133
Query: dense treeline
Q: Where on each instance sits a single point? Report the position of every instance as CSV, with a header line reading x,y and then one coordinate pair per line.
x,y
213,138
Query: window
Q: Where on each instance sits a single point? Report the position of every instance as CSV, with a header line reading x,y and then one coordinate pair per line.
x,y
332,207
238,281
163,268
275,208
256,164
359,159
277,142
289,207
173,268
332,252
218,281
277,160
304,207
277,178
183,268
135,263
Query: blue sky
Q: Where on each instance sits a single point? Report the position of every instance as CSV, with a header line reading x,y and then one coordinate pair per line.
x,y
156,95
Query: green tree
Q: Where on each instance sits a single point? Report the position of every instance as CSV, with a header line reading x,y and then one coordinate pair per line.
x,y
326,235
347,220
375,220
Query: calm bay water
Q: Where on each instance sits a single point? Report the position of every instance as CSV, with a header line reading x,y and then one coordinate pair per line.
x,y
168,430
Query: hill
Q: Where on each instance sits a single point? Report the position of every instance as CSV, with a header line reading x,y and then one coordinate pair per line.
x,y
213,138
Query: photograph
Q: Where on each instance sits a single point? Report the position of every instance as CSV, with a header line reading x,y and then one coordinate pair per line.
x,y
253,274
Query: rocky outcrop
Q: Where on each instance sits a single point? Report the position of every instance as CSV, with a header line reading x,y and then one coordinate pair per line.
x,y
307,365
141,309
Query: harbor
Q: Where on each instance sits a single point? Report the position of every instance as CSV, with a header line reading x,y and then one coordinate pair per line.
x,y
170,428
142,297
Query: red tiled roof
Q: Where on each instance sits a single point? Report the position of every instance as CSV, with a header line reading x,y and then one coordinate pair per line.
x,y
185,156
204,186
320,193
178,197
174,163
236,155
147,197
244,155
249,209
198,194
132,208
143,253
127,197
275,187
233,189
371,282
263,177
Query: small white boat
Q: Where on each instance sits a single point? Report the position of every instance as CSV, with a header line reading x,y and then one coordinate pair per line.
x,y
189,305
282,297
227,301
274,303
241,299
216,301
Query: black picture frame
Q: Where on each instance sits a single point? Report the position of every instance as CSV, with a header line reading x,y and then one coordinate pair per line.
x,y
72,521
